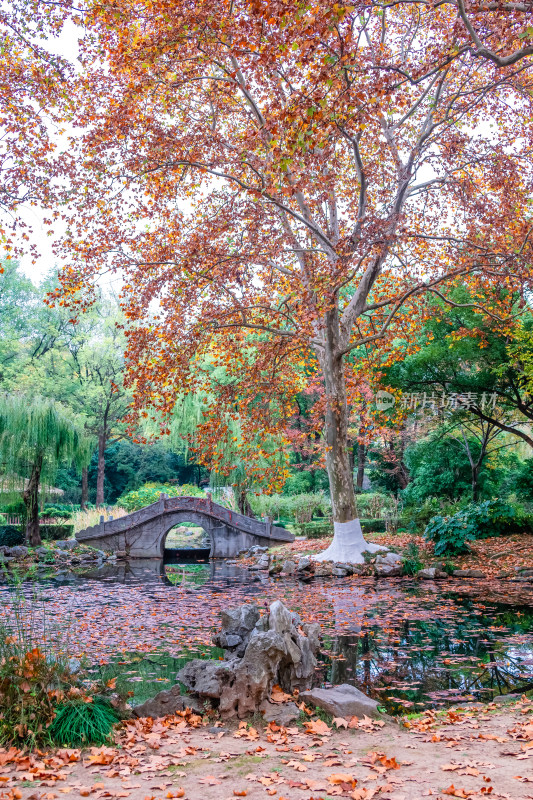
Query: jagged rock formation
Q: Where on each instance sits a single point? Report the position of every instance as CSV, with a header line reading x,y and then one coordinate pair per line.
x,y
260,652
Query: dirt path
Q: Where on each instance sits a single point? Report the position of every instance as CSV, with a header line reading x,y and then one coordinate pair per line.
x,y
474,753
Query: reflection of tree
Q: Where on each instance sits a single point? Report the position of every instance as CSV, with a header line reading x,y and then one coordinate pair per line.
x,y
441,660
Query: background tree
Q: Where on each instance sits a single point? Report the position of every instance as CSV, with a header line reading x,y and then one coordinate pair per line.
x,y
36,436
330,175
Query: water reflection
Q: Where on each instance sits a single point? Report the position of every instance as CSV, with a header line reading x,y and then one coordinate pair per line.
x,y
406,643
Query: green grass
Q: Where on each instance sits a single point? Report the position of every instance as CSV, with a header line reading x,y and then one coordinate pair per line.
x,y
79,723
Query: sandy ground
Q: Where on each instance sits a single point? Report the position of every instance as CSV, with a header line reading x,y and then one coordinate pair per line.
x,y
472,753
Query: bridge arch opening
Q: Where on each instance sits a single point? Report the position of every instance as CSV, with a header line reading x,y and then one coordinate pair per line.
x,y
186,541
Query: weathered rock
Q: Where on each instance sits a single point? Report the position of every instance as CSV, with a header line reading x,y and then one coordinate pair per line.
x,y
304,563
389,559
289,567
167,702
506,698
66,544
427,574
348,568
339,573
468,573
323,569
341,701
237,626
387,571
280,713
275,569
279,650
42,552
17,551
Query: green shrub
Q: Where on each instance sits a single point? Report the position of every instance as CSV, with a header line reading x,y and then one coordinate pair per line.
x,y
316,529
79,723
375,505
58,512
373,525
411,559
149,493
475,521
52,532
10,536
299,508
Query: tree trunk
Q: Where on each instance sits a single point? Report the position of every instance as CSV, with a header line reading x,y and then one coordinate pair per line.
x,y
84,488
361,461
31,501
100,474
348,542
475,484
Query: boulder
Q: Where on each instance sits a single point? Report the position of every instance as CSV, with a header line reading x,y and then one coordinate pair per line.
x,y
279,650
275,569
348,568
337,572
289,567
167,702
431,574
66,544
280,713
389,560
468,573
387,571
17,551
323,569
304,564
341,701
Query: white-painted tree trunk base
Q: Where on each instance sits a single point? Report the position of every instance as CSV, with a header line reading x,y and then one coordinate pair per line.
x,y
348,544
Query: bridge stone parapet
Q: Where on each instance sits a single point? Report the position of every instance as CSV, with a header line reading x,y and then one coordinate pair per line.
x,y
142,534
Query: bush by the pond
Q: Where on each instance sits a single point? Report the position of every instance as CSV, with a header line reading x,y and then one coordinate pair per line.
x,y
316,529
149,493
30,684
83,721
475,521
10,536
299,508
411,563
51,532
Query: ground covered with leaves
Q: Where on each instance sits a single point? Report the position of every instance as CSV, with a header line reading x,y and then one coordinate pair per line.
x,y
468,752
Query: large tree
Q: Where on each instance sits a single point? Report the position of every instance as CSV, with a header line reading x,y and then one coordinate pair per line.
x,y
288,184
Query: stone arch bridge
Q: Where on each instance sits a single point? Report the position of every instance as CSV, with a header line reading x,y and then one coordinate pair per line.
x,y
143,533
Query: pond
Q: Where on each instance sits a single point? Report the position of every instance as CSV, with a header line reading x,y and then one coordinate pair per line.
x,y
410,644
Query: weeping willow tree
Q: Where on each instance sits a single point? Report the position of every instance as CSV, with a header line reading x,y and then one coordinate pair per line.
x,y
37,435
248,463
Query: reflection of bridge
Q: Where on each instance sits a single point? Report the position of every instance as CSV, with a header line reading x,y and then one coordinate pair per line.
x,y
143,533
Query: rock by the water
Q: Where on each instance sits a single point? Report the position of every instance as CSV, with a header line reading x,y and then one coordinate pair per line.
x,y
167,702
237,626
304,563
348,568
389,559
275,569
66,544
387,571
289,567
468,573
279,650
338,572
341,701
323,569
431,574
